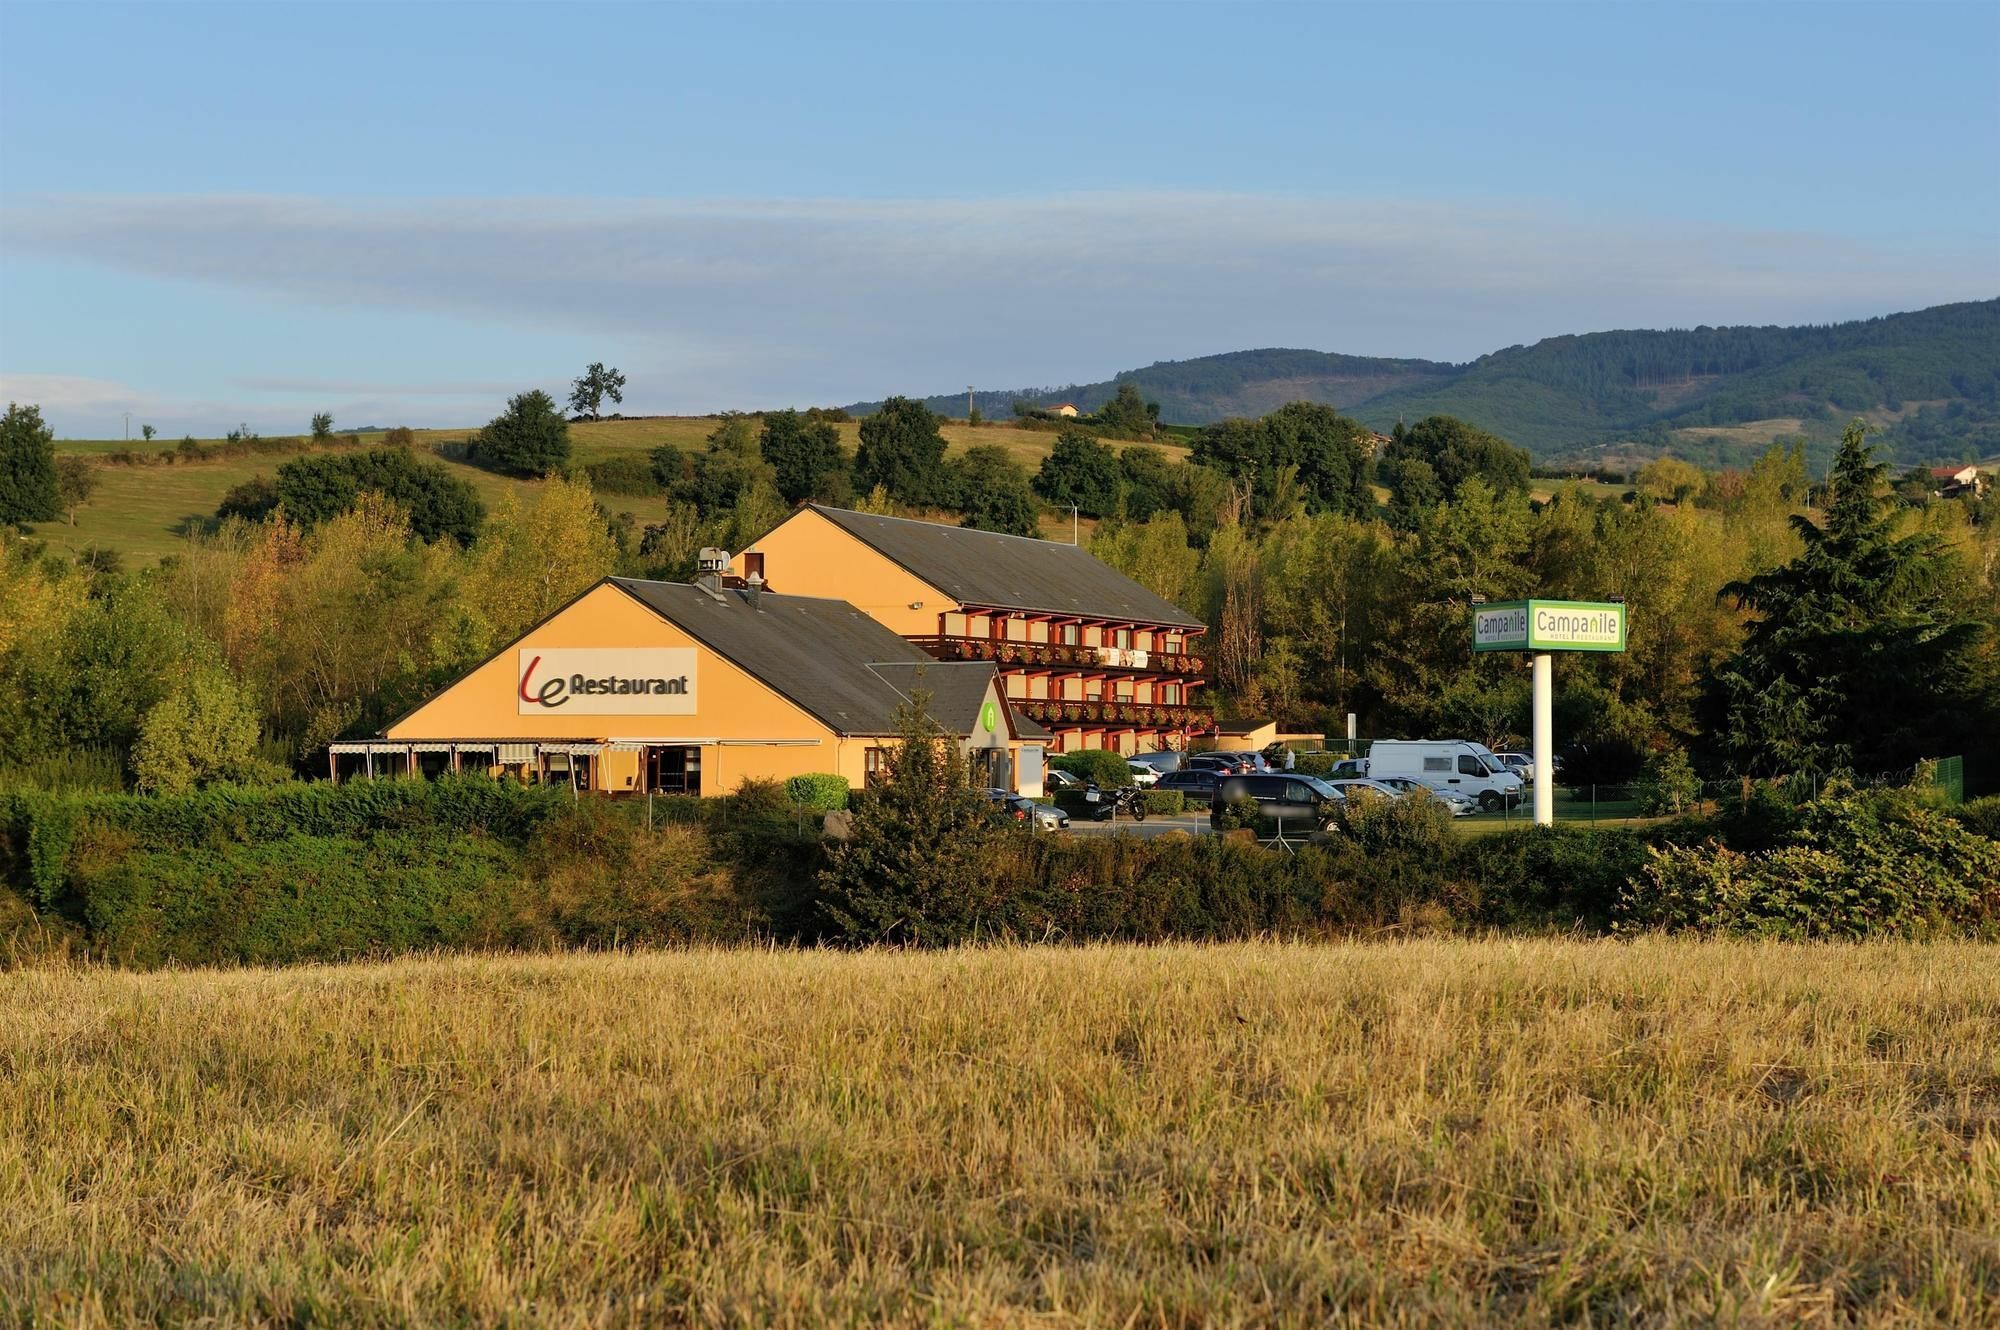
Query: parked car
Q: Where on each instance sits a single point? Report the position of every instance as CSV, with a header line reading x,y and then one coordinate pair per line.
x,y
1298,803
1164,761
1019,808
1143,776
1520,764
1229,764
1459,804
1349,768
1364,788
1448,764
1058,779
1197,784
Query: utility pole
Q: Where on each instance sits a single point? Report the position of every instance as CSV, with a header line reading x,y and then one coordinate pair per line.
x,y
968,403
128,426
1075,527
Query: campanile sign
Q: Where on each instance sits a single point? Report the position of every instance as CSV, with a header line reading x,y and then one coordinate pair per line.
x,y
1549,625
1541,627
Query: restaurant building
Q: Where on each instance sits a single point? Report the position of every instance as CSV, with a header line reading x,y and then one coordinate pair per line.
x,y
1080,648
692,688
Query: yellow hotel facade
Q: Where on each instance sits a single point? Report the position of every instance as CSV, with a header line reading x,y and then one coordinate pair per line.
x,y
802,654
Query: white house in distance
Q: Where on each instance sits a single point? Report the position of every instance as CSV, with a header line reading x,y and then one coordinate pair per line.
x,y
1952,481
1067,410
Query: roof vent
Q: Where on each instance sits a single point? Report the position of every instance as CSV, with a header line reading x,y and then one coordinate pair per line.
x,y
753,589
711,563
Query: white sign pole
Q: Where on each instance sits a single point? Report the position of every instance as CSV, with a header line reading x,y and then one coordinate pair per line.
x,y
1545,743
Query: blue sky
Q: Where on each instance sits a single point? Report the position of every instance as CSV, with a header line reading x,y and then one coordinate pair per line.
x,y
401,213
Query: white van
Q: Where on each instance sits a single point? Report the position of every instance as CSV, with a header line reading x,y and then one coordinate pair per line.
x,y
1458,765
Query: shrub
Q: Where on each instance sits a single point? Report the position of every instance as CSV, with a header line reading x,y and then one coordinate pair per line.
x,y
910,868
1668,785
1981,816
1165,803
1417,827
1884,864
1108,769
625,473
1561,875
1239,814
1317,764
820,791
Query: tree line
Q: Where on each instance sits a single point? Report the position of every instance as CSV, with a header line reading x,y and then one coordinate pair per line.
x,y
1778,627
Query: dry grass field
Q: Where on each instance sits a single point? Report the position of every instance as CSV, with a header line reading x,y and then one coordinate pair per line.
x,y
139,511
1421,1133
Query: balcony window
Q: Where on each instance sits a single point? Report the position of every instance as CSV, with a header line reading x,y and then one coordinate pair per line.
x,y
1124,640
1072,634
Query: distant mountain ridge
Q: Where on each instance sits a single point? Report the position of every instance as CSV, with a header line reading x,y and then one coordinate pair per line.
x,y
1932,377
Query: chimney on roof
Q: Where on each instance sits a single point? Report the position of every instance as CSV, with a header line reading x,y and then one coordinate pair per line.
x,y
711,563
753,589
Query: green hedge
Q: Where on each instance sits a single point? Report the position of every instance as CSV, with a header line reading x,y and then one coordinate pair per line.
x,y
1110,770
299,897
821,791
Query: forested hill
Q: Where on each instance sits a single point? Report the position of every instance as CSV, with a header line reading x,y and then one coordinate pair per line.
x,y
1931,377
1567,392
1212,388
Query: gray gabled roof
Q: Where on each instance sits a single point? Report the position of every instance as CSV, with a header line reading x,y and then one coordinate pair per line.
x,y
1009,572
827,657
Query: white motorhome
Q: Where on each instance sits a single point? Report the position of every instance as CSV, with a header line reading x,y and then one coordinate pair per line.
x,y
1458,765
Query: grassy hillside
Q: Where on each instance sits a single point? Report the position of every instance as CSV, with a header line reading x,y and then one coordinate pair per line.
x,y
1420,1133
140,511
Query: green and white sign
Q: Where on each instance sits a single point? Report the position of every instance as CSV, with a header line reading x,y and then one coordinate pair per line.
x,y
989,717
1549,625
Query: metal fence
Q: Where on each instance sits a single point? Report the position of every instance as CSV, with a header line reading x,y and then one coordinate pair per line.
x,y
1643,799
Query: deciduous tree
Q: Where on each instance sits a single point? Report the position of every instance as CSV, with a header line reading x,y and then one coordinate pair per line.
x,y
902,450
29,490
588,391
76,481
530,438
994,493
1083,471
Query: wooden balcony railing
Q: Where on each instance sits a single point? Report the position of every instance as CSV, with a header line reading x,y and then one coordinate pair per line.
x,y
1056,713
1060,655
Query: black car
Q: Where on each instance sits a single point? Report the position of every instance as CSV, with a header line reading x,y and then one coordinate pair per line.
x,y
1300,803
1198,784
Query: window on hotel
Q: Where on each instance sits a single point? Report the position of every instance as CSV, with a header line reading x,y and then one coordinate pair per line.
x,y
1072,634
1124,639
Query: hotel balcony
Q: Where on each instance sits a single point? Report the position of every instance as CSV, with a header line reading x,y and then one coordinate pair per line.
x,y
1010,654
1060,714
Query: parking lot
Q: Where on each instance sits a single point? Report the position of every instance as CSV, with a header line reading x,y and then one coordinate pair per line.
x,y
1156,825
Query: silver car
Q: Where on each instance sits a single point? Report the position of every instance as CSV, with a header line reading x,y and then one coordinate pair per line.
x,y
1459,804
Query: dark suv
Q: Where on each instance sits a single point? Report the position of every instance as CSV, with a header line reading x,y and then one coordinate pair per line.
x,y
1197,785
1301,803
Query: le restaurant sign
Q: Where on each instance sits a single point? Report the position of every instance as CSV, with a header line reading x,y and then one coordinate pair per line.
x,y
1549,625
606,681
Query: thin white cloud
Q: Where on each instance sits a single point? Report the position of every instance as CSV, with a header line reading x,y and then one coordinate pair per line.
x,y
748,303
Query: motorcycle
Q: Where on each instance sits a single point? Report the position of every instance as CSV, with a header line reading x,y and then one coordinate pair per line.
x,y
1131,802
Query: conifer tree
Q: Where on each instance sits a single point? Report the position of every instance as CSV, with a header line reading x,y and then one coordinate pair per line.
x,y
1859,658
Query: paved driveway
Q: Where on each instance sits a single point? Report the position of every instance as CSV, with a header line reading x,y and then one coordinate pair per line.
x,y
1192,823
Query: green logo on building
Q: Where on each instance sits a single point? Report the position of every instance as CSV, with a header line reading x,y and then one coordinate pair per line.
x,y
989,717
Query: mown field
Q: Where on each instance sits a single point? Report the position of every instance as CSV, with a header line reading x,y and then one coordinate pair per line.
x,y
140,511
1420,1132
